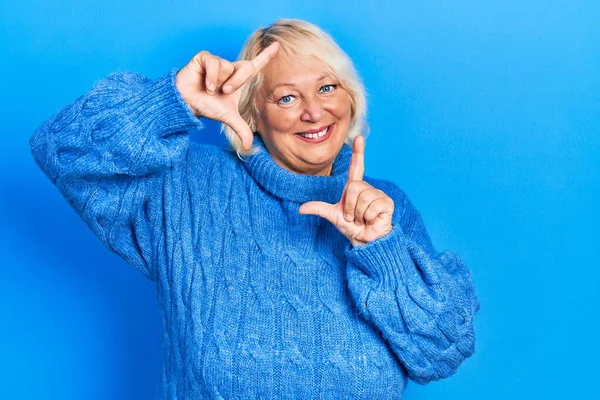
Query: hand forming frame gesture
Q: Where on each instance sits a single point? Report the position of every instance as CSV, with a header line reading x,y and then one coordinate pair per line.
x,y
363,213
211,86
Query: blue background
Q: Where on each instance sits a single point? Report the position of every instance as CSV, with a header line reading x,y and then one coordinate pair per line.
x,y
487,113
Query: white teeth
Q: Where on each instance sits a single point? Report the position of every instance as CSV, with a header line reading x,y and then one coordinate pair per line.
x,y
315,135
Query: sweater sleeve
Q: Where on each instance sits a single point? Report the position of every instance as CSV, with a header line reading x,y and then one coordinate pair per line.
x,y
422,302
110,153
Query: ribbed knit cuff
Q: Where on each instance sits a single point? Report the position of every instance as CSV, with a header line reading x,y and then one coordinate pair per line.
x,y
383,259
160,108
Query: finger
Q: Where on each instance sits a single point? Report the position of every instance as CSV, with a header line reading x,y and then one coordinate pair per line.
x,y
243,71
211,66
357,163
319,208
248,69
241,128
263,58
381,205
350,197
197,63
365,198
226,69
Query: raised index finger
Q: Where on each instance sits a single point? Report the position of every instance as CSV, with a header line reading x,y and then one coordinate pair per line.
x,y
357,163
263,58
246,70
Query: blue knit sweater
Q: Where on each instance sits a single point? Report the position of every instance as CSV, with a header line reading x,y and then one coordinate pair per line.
x,y
256,300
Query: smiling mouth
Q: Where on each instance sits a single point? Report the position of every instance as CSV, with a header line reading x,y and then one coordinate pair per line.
x,y
316,136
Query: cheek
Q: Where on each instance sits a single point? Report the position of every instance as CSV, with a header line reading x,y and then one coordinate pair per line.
x,y
281,120
341,108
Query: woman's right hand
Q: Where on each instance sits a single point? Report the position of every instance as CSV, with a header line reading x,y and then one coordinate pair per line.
x,y
211,87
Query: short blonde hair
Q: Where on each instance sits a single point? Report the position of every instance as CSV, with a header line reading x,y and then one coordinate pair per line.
x,y
300,40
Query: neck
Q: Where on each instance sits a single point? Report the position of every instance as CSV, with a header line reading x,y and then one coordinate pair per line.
x,y
320,184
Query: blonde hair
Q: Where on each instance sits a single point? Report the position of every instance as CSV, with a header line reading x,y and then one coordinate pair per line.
x,y
300,40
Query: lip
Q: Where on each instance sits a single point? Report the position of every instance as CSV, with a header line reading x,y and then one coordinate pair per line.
x,y
318,140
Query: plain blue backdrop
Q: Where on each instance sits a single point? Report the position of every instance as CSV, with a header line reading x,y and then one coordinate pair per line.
x,y
487,113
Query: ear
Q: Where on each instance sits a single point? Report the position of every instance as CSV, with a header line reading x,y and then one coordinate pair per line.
x,y
253,120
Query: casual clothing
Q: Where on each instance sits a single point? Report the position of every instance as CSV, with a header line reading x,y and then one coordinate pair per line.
x,y
256,300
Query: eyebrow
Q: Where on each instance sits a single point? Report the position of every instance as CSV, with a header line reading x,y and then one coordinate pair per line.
x,y
293,84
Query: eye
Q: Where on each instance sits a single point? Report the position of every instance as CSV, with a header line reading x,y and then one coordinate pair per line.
x,y
327,88
287,99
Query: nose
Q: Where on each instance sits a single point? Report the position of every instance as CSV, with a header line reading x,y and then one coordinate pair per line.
x,y
313,110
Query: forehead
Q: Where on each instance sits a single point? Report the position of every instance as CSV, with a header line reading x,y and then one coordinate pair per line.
x,y
293,71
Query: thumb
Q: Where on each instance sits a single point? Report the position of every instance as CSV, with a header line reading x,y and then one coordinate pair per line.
x,y
241,128
320,209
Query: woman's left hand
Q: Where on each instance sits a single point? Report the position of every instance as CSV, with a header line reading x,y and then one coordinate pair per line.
x,y
363,213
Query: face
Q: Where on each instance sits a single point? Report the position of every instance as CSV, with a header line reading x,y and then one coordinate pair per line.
x,y
304,116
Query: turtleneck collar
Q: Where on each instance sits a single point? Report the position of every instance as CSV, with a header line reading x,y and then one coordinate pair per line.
x,y
290,186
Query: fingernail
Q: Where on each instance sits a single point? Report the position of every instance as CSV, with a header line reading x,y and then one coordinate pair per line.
x,y
211,87
348,217
227,88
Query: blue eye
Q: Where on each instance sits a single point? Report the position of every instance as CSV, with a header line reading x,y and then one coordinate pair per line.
x,y
286,99
327,88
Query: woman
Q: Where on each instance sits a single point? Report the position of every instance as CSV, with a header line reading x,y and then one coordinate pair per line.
x,y
283,272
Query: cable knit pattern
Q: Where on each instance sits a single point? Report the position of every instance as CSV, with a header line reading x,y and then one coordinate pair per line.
x,y
256,300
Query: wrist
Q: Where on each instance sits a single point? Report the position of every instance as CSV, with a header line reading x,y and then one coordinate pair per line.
x,y
184,93
357,243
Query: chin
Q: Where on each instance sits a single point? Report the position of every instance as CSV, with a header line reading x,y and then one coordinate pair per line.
x,y
315,165
322,158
